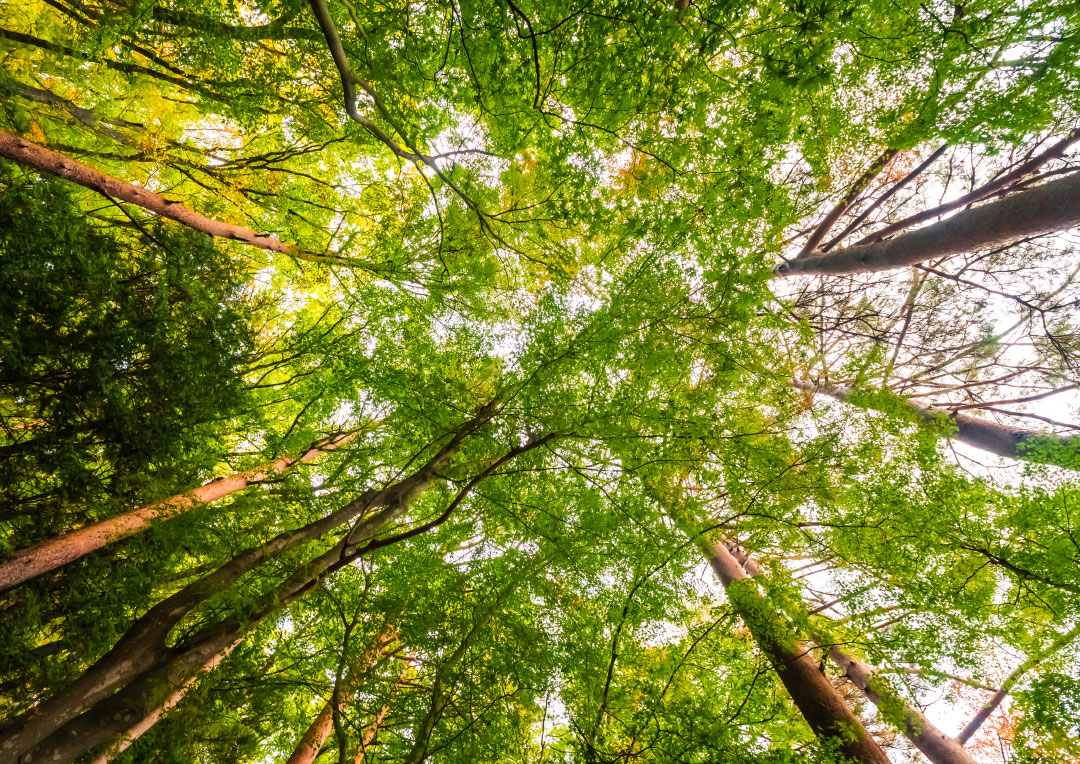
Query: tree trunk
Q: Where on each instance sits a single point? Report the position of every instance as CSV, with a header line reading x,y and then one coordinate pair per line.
x,y
369,734
146,723
132,705
142,648
30,154
311,742
48,738
821,705
54,553
1001,182
1042,209
985,435
1010,681
938,747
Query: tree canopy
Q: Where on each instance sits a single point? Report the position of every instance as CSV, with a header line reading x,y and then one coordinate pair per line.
x,y
545,382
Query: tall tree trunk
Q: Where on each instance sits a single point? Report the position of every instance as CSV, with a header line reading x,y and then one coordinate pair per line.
x,y
998,184
170,669
135,703
54,553
142,648
146,723
985,435
311,742
818,701
369,734
938,747
40,158
1042,209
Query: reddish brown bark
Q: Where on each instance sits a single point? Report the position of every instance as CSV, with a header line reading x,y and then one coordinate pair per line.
x,y
935,745
1042,209
32,155
311,742
814,695
369,734
54,553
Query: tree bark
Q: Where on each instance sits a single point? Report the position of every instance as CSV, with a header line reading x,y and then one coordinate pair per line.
x,y
133,704
994,186
311,742
141,650
54,553
40,158
935,745
985,435
369,734
818,701
938,747
146,723
1042,209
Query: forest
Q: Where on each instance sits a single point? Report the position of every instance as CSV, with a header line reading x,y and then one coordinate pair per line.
x,y
540,381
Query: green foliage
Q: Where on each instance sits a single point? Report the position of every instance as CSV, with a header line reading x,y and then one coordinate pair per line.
x,y
109,337
561,220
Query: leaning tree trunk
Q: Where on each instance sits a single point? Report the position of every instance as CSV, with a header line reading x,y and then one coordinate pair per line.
x,y
938,747
1042,209
40,158
168,668
173,667
135,703
143,648
54,553
820,704
144,725
985,435
311,742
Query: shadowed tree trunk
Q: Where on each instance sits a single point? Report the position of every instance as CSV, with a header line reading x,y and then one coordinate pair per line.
x,y
54,553
821,705
146,723
938,747
1042,209
985,435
